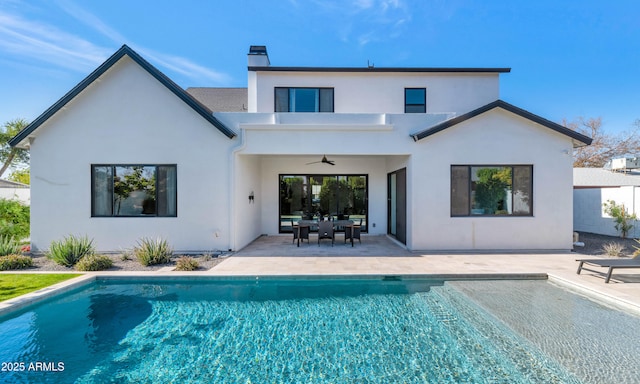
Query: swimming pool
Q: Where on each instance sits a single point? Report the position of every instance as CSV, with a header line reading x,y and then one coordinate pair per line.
x,y
314,330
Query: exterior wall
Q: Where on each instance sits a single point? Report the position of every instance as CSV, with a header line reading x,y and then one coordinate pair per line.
x,y
21,194
128,117
457,93
286,143
588,215
247,215
496,137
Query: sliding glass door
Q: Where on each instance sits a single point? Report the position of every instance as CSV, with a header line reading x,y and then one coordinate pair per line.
x,y
313,196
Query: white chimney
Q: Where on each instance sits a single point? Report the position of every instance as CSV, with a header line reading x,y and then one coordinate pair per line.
x,y
258,56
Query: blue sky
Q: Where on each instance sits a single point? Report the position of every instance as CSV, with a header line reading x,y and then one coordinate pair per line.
x,y
568,58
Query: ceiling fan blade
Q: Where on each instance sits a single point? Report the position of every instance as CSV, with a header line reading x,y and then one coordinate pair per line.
x,y
324,160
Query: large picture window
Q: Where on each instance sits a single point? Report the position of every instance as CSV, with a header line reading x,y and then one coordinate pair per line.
x,y
133,190
491,190
303,99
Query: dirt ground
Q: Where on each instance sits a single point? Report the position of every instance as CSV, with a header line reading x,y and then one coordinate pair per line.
x,y
594,244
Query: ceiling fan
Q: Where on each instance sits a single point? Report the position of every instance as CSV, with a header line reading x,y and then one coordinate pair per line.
x,y
324,160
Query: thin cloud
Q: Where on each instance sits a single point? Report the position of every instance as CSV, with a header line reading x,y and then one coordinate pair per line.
x,y
92,21
367,21
183,66
177,64
47,43
43,42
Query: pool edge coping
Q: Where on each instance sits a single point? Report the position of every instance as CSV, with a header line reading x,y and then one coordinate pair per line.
x,y
17,303
41,294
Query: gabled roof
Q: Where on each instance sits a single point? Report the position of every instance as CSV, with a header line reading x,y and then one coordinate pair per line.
x,y
585,140
161,77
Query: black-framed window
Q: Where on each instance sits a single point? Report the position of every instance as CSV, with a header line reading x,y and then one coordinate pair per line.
x,y
415,100
491,190
138,190
303,99
311,197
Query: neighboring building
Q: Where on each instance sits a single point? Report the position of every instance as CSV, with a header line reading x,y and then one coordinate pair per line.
x,y
14,191
429,156
592,187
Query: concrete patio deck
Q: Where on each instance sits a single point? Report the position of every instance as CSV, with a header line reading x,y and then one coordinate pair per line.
x,y
379,255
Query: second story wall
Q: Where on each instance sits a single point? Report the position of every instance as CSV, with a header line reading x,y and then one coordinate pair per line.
x,y
380,92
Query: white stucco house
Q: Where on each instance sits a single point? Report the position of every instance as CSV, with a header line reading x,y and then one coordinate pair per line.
x,y
429,156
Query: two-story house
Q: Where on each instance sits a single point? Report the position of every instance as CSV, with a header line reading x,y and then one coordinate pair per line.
x,y
429,156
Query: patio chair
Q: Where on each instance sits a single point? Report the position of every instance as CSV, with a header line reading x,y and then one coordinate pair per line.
x,y
353,232
325,231
609,263
300,232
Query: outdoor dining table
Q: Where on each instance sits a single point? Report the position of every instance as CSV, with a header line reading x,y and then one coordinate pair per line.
x,y
311,223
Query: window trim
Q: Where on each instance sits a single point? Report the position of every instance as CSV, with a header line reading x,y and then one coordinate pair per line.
x,y
275,99
469,189
113,166
424,104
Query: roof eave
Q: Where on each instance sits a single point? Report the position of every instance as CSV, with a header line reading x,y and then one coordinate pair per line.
x,y
379,69
577,138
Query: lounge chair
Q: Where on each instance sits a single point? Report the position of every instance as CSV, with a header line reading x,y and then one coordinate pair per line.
x,y
609,263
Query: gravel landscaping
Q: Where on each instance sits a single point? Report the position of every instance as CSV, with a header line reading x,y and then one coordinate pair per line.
x,y
120,263
594,244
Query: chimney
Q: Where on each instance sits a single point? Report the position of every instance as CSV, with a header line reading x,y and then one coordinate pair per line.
x,y
258,56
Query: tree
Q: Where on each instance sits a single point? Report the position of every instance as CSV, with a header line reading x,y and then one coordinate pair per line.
x,y
21,176
491,188
604,146
12,156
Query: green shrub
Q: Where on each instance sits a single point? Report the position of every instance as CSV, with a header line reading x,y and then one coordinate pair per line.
x,y
14,219
621,217
152,251
70,250
186,263
15,262
9,246
94,263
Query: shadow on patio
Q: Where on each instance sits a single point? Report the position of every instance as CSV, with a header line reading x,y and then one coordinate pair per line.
x,y
281,245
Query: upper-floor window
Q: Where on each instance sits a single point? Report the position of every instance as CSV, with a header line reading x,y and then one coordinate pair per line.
x,y
415,100
491,190
133,190
303,99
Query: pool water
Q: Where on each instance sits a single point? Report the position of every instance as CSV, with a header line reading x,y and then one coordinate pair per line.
x,y
319,331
